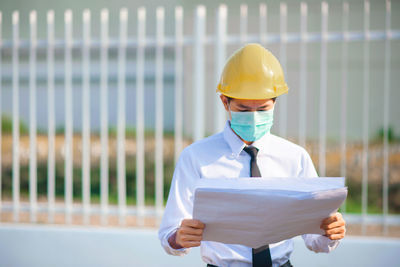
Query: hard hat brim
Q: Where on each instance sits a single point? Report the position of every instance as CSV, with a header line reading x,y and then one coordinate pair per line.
x,y
243,93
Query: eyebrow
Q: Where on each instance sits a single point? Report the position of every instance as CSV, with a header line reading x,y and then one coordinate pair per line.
x,y
243,106
247,107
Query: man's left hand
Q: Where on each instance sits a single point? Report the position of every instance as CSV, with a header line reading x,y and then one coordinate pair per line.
x,y
334,226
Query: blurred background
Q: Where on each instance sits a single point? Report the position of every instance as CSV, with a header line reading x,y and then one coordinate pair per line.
x,y
99,98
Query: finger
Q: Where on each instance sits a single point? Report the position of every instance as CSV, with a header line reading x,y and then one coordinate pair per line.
x,y
332,225
335,217
188,238
330,219
193,223
336,236
191,231
190,244
339,230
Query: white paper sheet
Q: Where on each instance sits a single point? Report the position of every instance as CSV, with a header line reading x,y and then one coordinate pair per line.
x,y
259,211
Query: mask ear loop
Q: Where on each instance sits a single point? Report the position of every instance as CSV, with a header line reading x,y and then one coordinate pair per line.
x,y
229,112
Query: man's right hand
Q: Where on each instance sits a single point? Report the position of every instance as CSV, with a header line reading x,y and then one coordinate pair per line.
x,y
188,235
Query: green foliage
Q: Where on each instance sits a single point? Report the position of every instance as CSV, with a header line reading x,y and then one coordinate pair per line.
x,y
130,132
95,181
392,137
353,204
353,201
7,125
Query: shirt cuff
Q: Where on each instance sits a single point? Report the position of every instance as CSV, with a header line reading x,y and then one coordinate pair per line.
x,y
320,243
167,247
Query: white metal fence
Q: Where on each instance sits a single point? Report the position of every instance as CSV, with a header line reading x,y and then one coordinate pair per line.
x,y
220,39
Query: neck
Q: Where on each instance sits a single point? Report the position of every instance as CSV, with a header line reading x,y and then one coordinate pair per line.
x,y
246,142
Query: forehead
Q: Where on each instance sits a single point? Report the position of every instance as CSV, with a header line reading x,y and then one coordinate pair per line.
x,y
252,102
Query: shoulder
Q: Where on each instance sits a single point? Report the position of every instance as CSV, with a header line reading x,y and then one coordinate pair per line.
x,y
293,155
210,145
281,145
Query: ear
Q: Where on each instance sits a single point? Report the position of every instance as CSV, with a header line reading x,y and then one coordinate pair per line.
x,y
225,101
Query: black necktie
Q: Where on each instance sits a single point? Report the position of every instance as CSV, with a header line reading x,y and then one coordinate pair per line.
x,y
262,255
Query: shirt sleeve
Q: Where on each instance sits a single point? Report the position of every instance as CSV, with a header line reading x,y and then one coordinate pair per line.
x,y
319,243
307,168
315,242
180,202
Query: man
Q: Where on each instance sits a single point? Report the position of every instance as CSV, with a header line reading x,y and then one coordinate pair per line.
x,y
250,83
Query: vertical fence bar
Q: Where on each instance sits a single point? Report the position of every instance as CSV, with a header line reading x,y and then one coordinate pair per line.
x,y
282,53
32,117
263,23
243,24
140,175
104,115
323,93
68,116
364,192
178,81
199,75
1,107
86,117
15,127
343,109
303,74
386,99
121,172
51,185
220,48
159,148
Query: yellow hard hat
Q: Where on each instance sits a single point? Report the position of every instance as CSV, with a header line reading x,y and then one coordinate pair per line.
x,y
252,72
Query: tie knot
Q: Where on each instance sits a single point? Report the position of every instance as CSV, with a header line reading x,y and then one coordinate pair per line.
x,y
251,150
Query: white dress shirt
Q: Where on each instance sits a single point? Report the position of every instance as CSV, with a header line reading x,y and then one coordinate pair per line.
x,y
222,156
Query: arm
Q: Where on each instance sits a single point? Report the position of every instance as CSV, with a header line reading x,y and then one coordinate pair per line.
x,y
175,231
334,226
335,229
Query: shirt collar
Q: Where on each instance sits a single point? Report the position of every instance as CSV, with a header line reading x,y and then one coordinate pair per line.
x,y
262,143
237,145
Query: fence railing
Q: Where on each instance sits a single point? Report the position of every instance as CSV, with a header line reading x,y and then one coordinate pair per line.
x,y
198,41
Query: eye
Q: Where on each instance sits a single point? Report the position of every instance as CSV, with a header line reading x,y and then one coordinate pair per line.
x,y
263,108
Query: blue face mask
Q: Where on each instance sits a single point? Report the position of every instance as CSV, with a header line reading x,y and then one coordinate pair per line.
x,y
251,126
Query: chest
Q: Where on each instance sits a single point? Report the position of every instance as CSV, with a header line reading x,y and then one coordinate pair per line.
x,y
234,167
